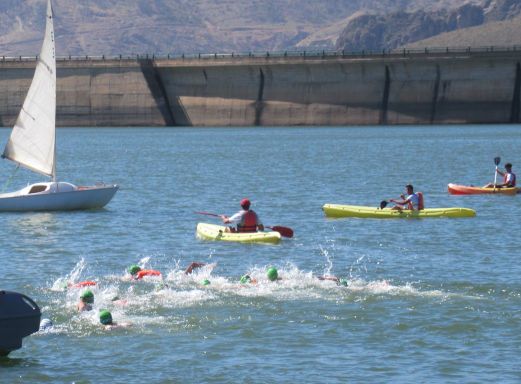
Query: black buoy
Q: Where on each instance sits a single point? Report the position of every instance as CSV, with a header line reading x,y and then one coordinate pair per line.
x,y
19,317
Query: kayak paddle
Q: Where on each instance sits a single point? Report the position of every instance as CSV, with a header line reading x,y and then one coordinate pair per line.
x,y
208,214
284,231
497,160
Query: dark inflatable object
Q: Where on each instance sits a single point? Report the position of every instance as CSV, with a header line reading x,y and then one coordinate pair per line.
x,y
19,317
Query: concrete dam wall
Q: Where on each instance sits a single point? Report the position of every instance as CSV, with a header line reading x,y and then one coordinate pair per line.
x,y
420,88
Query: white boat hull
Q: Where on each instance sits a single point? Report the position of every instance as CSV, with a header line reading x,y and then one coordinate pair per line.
x,y
57,197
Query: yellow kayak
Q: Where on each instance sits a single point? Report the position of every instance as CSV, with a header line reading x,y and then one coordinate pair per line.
x,y
336,210
218,232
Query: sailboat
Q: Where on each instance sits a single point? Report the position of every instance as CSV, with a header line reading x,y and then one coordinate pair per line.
x,y
32,145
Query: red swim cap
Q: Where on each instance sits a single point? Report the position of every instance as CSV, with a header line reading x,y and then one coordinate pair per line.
x,y
245,203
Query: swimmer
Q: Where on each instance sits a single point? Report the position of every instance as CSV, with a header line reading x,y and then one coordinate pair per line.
x,y
45,325
337,280
273,275
86,301
247,279
116,300
105,318
137,273
192,266
81,284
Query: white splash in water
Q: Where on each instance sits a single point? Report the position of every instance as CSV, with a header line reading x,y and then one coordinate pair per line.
x,y
73,277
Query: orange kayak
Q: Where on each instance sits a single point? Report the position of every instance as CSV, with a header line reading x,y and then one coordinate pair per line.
x,y
455,189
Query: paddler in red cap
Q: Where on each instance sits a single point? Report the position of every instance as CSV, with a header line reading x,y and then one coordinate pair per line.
x,y
246,219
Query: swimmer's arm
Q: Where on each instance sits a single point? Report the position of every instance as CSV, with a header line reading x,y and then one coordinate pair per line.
x,y
193,266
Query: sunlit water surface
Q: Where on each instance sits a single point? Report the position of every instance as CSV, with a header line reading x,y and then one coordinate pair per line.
x,y
435,300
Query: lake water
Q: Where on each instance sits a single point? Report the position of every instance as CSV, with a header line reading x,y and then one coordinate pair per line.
x,y
434,300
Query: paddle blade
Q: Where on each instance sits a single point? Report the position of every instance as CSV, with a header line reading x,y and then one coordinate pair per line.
x,y
284,231
207,214
497,160
383,204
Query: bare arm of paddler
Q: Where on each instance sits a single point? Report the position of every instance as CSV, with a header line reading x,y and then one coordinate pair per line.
x,y
236,218
399,202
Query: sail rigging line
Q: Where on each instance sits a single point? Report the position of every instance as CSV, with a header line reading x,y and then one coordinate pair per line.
x,y
10,178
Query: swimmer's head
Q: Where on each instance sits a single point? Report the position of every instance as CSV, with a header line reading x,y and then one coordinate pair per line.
x,y
87,296
205,282
245,279
105,317
342,282
45,324
272,274
133,269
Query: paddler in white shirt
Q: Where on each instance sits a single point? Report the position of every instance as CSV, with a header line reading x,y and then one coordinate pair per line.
x,y
246,219
411,201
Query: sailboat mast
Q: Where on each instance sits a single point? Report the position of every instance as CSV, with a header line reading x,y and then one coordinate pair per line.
x,y
50,15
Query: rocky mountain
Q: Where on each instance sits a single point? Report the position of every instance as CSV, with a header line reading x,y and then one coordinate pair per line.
x,y
497,10
370,31
127,27
494,33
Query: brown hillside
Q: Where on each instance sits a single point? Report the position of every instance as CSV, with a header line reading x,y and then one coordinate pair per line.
x,y
499,33
114,27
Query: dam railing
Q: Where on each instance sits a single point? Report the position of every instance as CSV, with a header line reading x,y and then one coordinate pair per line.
x,y
303,54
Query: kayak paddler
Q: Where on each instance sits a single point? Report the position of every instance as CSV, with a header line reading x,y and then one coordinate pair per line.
x,y
411,201
509,178
246,219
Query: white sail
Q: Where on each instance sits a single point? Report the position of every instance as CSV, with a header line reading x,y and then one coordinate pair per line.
x,y
32,141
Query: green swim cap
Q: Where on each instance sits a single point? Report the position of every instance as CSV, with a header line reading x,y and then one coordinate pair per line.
x,y
105,317
133,269
342,282
245,279
205,282
272,273
87,296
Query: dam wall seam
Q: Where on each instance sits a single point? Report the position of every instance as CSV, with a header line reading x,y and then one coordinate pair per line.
x,y
435,94
385,97
516,98
157,89
259,103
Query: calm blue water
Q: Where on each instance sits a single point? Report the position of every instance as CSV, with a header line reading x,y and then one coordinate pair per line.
x,y
434,300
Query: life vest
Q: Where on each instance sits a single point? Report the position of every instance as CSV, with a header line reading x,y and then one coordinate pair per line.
x,y
147,272
420,202
248,222
512,181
